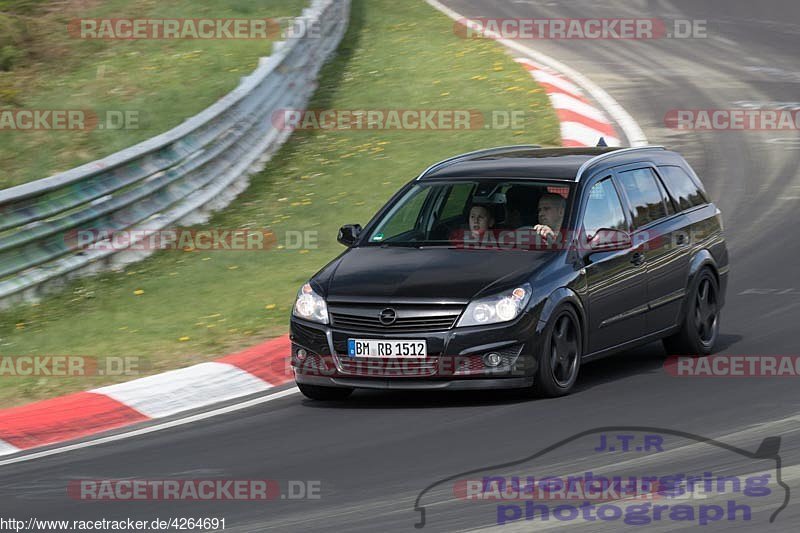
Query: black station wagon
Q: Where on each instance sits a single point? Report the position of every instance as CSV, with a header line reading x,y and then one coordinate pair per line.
x,y
508,267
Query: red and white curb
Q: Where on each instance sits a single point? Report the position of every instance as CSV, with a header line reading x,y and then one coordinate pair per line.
x,y
582,124
78,415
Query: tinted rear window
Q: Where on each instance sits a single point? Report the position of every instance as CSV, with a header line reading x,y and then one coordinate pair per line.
x,y
644,196
682,187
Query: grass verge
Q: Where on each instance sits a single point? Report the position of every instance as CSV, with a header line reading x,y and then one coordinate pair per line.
x,y
179,308
159,83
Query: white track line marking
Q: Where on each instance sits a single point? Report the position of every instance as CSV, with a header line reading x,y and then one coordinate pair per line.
x,y
152,429
630,127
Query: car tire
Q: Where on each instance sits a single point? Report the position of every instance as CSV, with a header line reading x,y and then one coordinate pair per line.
x,y
700,325
315,392
560,360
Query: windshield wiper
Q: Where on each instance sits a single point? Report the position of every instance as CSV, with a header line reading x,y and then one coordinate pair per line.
x,y
416,245
400,244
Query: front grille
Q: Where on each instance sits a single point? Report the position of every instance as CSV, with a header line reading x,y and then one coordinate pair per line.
x,y
404,324
398,368
410,319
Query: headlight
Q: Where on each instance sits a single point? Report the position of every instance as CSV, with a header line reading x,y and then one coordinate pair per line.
x,y
498,308
310,305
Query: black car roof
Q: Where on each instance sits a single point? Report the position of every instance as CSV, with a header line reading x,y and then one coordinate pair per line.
x,y
525,161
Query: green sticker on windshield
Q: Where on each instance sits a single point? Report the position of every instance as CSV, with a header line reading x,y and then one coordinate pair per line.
x,y
378,237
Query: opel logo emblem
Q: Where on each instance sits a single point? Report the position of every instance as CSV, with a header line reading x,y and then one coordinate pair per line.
x,y
388,316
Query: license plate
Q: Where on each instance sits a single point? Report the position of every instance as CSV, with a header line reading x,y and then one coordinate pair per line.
x,y
386,349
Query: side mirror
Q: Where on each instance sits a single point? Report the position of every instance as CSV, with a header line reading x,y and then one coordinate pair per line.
x,y
348,234
608,240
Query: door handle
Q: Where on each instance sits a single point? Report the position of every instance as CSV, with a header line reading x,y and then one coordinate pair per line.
x,y
637,258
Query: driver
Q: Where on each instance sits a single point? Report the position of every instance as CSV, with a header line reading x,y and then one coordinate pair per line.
x,y
551,215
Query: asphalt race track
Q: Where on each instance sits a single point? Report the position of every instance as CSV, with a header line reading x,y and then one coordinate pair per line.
x,y
373,454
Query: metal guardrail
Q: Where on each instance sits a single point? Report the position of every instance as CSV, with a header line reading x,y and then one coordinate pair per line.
x,y
176,177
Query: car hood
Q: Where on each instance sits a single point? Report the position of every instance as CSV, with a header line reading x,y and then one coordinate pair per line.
x,y
440,273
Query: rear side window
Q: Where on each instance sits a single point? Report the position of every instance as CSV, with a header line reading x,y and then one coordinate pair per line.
x,y
644,195
682,187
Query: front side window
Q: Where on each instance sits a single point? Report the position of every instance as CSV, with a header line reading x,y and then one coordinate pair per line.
x,y
644,196
603,209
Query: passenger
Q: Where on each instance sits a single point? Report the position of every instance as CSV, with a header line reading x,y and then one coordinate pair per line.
x,y
481,219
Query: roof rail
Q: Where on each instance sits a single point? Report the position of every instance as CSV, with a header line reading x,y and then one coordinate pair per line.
x,y
606,155
474,155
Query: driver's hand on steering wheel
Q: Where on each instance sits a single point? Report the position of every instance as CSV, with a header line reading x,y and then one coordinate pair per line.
x,y
544,231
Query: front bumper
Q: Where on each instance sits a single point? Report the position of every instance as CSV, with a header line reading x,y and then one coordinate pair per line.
x,y
455,357
416,384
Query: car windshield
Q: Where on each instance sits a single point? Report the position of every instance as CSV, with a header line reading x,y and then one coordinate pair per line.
x,y
475,214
